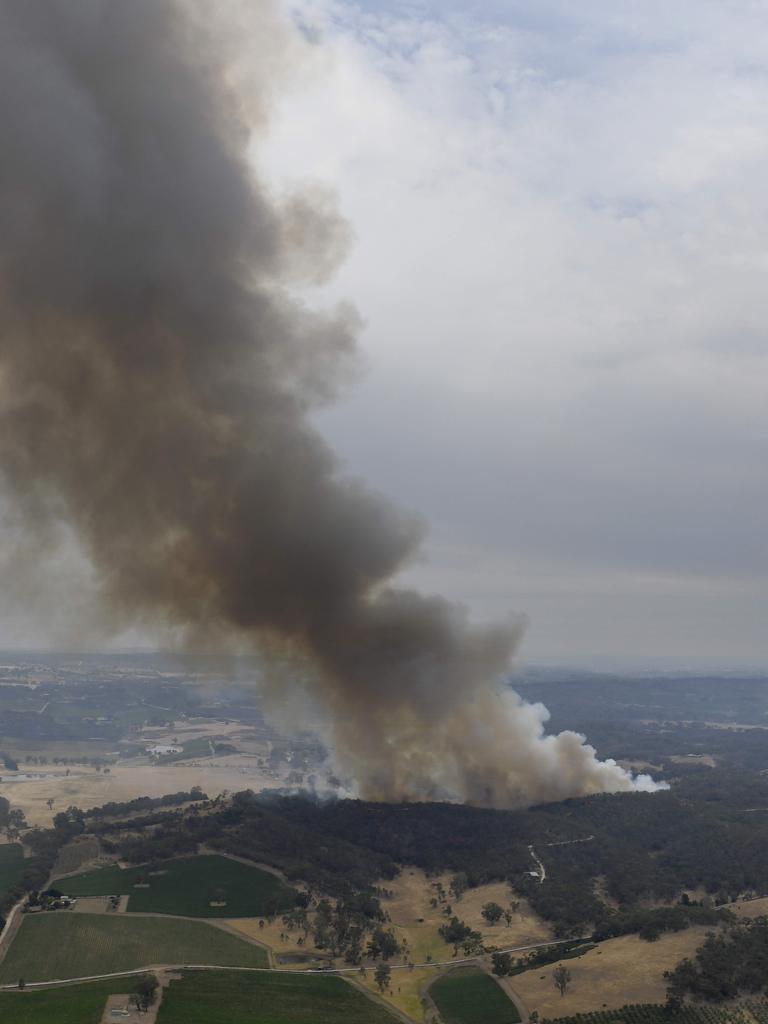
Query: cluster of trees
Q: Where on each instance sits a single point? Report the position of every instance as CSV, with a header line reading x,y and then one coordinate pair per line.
x,y
459,935
650,923
8,762
45,845
728,964
352,927
249,828
504,964
34,725
145,803
97,762
12,820
733,748
645,846
144,993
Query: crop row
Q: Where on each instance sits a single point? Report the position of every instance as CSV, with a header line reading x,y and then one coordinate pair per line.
x,y
750,1012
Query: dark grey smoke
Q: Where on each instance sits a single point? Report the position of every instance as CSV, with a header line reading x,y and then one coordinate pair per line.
x,y
155,381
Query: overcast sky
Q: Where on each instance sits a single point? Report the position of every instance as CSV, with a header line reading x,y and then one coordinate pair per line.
x,y
561,257
560,222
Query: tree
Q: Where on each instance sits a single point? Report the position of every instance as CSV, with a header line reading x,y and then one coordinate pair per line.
x,y
458,934
561,977
382,975
514,906
458,885
649,932
15,821
492,912
144,993
502,964
22,984
383,943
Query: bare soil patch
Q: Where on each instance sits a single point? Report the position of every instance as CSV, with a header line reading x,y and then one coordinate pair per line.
x,y
92,905
118,1008
705,759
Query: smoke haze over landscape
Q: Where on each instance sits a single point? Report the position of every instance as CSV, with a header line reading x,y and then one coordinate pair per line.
x,y
157,378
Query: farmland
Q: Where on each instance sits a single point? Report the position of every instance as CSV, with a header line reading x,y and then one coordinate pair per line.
x,y
11,865
750,1012
230,997
467,995
188,887
71,1004
65,945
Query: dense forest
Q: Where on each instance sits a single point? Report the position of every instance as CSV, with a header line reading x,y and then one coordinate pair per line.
x,y
727,965
634,848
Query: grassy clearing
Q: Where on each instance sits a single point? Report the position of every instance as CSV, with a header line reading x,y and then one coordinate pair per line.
x,y
188,886
405,989
418,922
71,1004
11,865
229,997
64,945
467,995
619,971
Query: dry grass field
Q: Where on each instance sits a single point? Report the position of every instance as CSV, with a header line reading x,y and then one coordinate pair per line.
x,y
406,988
86,787
619,971
416,920
411,901
751,908
279,940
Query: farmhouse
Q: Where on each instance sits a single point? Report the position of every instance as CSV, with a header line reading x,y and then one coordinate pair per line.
x,y
163,749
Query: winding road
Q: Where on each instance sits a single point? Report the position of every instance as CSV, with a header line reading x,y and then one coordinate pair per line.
x,y
542,872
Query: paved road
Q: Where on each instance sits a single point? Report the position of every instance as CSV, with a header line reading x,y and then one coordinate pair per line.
x,y
266,970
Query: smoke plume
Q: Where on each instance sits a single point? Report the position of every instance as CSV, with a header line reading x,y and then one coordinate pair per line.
x,y
156,378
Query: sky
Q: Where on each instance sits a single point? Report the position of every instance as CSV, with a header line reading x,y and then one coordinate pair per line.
x,y
559,251
560,255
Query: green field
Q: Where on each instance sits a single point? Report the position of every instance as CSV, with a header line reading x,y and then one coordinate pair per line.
x,y
188,886
11,865
70,1004
68,945
467,995
231,997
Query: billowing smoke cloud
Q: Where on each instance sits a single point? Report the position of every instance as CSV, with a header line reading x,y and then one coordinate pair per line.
x,y
156,379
